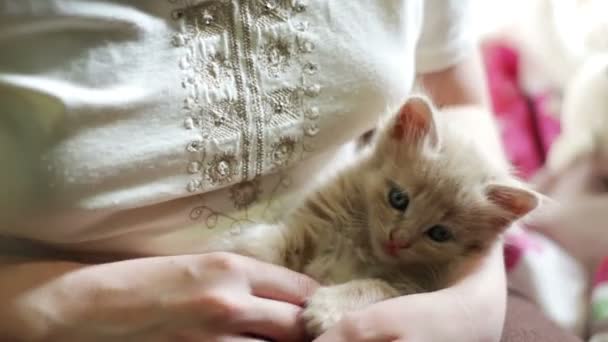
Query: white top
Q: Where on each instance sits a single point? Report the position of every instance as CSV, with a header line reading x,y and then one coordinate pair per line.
x,y
174,119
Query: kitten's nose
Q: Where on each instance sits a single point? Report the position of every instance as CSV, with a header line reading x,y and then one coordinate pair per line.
x,y
396,242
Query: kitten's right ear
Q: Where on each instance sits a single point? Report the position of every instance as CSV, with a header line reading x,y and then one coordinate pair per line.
x,y
414,122
515,201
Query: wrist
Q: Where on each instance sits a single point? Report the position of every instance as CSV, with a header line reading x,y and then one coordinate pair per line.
x,y
27,322
32,304
491,301
482,297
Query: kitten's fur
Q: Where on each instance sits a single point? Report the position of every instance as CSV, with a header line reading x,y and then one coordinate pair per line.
x,y
340,234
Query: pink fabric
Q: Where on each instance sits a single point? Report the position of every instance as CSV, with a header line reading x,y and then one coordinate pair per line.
x,y
527,128
601,275
518,244
537,266
513,255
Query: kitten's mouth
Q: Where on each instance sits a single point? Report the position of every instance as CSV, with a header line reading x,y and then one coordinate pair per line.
x,y
391,249
393,245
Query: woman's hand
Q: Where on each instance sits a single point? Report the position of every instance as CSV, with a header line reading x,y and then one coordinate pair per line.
x,y
211,297
470,311
417,318
577,220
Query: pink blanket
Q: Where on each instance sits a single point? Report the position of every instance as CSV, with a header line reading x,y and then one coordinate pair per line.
x,y
536,266
527,126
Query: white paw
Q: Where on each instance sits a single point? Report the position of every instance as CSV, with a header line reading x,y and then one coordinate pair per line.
x,y
323,309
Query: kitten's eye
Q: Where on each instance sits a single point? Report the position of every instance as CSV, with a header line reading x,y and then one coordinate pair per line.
x,y
439,234
398,199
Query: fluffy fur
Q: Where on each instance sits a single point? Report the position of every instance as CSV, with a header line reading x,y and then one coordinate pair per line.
x,y
347,235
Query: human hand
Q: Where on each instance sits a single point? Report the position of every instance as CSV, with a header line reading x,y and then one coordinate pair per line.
x,y
210,297
471,310
577,219
437,316
584,176
329,304
578,225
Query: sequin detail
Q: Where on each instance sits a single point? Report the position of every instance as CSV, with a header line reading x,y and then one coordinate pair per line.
x,y
245,193
283,151
243,125
222,169
277,56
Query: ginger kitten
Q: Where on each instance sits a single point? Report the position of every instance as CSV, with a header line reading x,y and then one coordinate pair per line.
x,y
418,209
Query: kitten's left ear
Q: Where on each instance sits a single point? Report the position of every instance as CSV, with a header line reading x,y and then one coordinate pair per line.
x,y
415,122
516,201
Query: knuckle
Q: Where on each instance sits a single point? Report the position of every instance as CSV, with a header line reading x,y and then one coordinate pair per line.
x,y
307,286
352,325
220,307
222,261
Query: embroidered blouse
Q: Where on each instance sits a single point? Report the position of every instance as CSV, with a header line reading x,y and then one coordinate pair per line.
x,y
170,120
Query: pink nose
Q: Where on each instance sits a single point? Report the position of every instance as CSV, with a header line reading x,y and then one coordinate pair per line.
x,y
396,243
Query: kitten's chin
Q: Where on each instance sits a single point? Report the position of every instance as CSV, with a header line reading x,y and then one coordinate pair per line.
x,y
381,253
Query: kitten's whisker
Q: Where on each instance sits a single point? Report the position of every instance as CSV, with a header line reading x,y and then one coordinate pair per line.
x,y
383,229
434,274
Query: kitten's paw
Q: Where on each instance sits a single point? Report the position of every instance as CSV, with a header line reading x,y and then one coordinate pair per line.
x,y
323,309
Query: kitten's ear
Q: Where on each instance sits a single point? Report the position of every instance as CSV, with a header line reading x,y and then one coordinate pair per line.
x,y
516,201
415,122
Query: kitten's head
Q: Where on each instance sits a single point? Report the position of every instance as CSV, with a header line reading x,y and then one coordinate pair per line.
x,y
432,198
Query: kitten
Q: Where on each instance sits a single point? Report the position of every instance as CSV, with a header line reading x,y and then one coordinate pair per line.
x,y
418,209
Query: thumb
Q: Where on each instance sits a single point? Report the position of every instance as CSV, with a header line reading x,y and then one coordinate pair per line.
x,y
279,283
579,225
544,215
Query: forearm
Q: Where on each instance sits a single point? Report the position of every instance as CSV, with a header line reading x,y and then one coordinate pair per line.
x,y
462,84
482,297
21,317
461,92
472,310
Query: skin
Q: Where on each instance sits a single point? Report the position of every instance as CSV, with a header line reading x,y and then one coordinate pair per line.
x,y
220,294
579,226
213,297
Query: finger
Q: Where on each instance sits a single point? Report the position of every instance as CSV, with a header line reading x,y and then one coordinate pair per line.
x,y
331,336
360,327
278,283
272,319
543,181
584,211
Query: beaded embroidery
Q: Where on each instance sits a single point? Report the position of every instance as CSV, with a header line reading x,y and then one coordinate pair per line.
x,y
245,124
245,193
